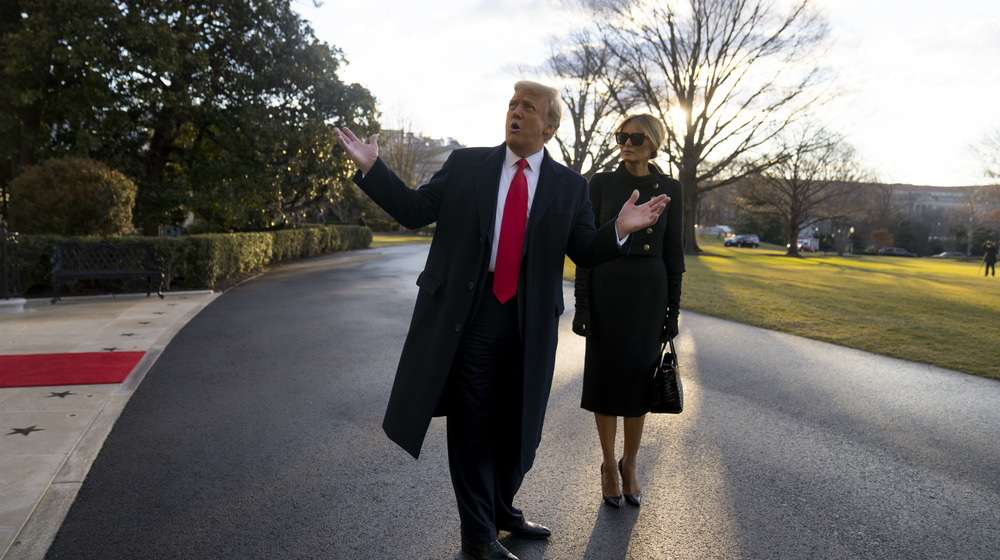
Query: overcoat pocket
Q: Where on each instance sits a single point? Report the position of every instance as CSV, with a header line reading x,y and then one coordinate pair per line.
x,y
428,283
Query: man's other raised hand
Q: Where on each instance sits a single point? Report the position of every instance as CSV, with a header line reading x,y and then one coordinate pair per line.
x,y
634,217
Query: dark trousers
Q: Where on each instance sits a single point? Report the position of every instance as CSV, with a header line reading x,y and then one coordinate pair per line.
x,y
991,265
484,420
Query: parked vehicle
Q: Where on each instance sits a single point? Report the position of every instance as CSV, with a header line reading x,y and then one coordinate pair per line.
x,y
949,255
896,252
808,245
742,240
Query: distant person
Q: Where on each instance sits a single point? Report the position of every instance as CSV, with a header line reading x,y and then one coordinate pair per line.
x,y
990,258
361,220
482,341
624,339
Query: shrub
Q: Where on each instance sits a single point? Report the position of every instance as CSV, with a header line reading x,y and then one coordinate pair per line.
x,y
197,262
71,196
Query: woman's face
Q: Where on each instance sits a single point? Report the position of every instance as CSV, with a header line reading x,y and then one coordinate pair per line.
x,y
635,154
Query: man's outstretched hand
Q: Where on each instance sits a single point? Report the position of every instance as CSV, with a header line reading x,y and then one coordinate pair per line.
x,y
363,155
634,217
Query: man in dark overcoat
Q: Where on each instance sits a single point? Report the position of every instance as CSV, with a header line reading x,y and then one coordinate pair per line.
x,y
990,257
482,359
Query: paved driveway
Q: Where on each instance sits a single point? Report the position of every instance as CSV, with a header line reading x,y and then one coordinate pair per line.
x,y
257,435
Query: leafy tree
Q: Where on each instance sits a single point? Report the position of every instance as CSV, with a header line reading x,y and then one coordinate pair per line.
x,y
910,234
54,79
979,237
224,109
72,196
766,227
235,98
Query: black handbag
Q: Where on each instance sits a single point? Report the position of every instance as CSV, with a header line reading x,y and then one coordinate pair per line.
x,y
667,395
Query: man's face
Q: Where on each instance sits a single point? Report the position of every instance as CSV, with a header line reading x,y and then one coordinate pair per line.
x,y
526,127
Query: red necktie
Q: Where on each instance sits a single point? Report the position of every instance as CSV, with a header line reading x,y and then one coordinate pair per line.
x,y
515,217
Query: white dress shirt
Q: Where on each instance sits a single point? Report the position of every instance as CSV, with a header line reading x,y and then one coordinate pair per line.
x,y
531,174
506,177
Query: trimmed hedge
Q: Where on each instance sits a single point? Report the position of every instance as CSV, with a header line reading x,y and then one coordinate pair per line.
x,y
197,262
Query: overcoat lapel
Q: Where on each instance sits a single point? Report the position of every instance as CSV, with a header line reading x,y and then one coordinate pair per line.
x,y
549,180
487,185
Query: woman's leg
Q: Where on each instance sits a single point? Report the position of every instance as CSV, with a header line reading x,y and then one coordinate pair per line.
x,y
633,437
607,426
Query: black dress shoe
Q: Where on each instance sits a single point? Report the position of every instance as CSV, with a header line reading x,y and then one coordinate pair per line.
x,y
633,499
529,530
491,550
613,501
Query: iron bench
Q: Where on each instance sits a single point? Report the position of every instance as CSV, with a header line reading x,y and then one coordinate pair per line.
x,y
106,260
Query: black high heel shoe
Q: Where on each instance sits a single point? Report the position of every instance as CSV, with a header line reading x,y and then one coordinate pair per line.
x,y
633,499
613,501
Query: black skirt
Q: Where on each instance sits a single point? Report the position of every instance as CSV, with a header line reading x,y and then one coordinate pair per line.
x,y
628,303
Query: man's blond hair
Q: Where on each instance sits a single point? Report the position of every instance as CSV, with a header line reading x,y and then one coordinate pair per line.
x,y
553,113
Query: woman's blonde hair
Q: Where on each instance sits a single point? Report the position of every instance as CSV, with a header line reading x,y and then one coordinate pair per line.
x,y
650,126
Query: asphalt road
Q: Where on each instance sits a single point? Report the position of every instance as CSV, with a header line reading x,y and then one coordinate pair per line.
x,y
256,435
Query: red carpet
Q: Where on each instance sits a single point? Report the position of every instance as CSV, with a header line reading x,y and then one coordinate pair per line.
x,y
85,368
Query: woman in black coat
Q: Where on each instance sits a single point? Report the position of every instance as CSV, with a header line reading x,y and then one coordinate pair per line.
x,y
628,307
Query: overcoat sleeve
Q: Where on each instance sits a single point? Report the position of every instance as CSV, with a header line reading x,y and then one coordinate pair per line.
x,y
673,243
581,287
413,209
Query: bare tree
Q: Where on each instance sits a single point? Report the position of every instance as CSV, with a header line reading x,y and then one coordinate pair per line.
x,y
988,152
596,98
725,76
412,156
404,151
980,209
871,208
882,205
813,184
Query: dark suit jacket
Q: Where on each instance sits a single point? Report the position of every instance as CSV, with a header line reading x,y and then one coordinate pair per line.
x,y
462,199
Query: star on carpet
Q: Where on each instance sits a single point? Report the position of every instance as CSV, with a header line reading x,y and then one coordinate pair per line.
x,y
25,431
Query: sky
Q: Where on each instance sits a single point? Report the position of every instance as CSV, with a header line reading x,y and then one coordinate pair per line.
x,y
918,83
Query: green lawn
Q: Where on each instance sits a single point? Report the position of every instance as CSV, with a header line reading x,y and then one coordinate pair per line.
x,y
391,239
935,311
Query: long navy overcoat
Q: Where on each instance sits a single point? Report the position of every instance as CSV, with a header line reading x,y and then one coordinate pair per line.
x,y
462,199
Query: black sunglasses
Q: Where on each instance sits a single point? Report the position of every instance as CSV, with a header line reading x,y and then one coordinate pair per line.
x,y
637,138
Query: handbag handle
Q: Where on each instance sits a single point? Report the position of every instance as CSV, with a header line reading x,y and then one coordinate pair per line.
x,y
673,351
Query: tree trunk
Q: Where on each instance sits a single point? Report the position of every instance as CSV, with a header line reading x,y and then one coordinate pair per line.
x,y
689,186
793,238
149,201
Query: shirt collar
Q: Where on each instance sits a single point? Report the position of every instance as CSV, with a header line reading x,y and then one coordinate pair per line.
x,y
534,160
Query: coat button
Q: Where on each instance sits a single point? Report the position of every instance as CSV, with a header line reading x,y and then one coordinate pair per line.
x,y
645,247
649,230
458,328
656,186
471,286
